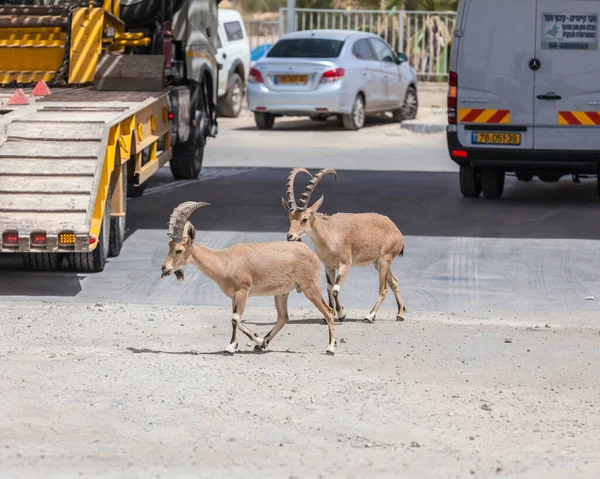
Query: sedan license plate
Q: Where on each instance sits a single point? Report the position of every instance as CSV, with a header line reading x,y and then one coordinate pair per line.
x,y
291,79
496,138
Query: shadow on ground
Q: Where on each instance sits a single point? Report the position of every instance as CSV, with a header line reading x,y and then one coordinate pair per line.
x,y
420,203
302,124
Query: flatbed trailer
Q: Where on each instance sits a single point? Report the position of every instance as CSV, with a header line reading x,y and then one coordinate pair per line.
x,y
71,153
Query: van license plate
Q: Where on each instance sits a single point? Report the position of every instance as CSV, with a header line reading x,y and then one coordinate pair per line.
x,y
496,138
291,79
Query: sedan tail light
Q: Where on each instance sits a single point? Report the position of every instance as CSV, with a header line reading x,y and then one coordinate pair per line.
x,y
332,75
254,76
452,97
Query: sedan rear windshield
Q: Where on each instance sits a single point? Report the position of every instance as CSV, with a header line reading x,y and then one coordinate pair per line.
x,y
306,48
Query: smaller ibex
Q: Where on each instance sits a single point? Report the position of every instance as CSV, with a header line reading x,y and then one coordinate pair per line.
x,y
343,240
267,269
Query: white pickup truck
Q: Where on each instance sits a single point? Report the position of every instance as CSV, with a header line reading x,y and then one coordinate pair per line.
x,y
234,55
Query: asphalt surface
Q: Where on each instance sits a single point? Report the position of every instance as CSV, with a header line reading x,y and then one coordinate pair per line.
x,y
532,250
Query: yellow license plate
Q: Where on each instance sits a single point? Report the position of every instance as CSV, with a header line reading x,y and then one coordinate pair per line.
x,y
496,138
292,79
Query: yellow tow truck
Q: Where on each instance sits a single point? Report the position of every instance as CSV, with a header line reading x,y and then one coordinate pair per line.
x,y
95,97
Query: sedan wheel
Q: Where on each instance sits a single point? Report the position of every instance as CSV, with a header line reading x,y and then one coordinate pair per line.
x,y
356,119
409,108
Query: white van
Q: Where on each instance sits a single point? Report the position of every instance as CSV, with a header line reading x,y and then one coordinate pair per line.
x,y
233,54
524,92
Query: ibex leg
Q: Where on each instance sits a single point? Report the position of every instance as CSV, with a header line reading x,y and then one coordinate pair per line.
x,y
281,304
383,268
393,282
334,301
239,304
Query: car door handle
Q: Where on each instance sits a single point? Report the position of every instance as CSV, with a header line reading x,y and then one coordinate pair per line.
x,y
549,96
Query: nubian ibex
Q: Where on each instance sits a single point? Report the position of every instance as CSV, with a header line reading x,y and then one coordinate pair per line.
x,y
266,269
343,240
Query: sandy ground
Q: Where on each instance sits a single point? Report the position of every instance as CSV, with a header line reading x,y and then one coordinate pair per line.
x,y
111,390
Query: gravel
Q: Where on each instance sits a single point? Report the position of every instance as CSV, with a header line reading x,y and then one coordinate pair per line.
x,y
115,390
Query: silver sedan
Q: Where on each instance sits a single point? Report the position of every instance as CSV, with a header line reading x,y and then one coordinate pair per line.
x,y
319,73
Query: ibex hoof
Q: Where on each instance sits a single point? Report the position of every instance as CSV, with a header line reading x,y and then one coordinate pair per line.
x,y
330,351
369,318
259,349
341,314
231,349
399,318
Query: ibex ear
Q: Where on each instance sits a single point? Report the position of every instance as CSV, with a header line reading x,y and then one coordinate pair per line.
x,y
316,205
190,233
285,204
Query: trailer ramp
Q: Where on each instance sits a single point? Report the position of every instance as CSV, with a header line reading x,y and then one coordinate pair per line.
x,y
62,158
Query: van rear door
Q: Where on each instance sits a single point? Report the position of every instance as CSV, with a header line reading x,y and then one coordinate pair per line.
x,y
567,82
495,84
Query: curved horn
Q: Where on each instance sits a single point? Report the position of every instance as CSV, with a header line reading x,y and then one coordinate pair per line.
x,y
179,218
289,191
308,191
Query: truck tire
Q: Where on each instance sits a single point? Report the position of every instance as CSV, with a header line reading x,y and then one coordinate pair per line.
x,y
470,182
42,261
492,182
231,104
187,157
143,13
356,119
117,225
264,121
94,261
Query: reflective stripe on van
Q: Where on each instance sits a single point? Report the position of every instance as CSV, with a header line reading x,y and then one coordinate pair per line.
x,y
474,115
581,118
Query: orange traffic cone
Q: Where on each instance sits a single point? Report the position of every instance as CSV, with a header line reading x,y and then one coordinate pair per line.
x,y
41,89
18,98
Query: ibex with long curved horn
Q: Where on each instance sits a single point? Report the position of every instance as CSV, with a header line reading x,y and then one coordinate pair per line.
x,y
267,269
344,240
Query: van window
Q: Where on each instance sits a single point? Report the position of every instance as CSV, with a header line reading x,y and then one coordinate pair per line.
x,y
306,48
362,50
234,31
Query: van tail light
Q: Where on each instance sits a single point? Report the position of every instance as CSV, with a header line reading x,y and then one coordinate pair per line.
x,y
254,76
333,75
452,97
10,238
38,239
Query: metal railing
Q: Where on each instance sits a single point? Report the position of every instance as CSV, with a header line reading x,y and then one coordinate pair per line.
x,y
425,37
262,33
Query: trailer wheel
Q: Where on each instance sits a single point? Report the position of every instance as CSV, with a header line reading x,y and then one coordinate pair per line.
x,y
94,261
42,261
187,157
492,182
117,224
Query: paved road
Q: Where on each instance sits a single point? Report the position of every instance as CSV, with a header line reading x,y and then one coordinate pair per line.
x,y
535,249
